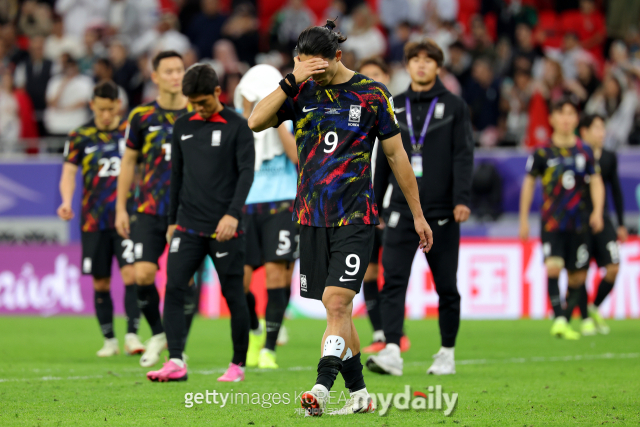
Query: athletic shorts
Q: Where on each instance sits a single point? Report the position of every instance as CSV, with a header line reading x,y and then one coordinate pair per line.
x,y
98,250
333,256
377,246
604,245
571,246
270,233
149,235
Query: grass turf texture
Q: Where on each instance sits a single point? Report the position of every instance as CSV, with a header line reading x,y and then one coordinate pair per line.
x,y
509,373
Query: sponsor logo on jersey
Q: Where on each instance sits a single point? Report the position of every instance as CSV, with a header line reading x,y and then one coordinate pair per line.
x,y
332,111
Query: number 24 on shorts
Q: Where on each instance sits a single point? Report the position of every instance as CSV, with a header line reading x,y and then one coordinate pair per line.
x,y
351,265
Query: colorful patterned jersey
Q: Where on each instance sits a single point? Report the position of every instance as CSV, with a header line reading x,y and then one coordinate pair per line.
x,y
98,153
565,174
335,128
149,132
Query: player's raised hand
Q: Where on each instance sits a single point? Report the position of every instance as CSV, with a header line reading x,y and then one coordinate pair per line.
x,y
596,222
65,212
122,223
425,233
305,69
226,228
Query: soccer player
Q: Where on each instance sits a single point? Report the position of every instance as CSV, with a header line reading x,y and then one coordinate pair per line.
x,y
378,70
436,133
603,246
212,171
337,115
97,147
270,232
149,137
568,171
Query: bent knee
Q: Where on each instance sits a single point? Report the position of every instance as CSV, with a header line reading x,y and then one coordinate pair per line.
x,y
612,272
102,284
145,273
554,266
577,278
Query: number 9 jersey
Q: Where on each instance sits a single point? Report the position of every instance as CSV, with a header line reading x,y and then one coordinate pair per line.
x,y
98,153
335,129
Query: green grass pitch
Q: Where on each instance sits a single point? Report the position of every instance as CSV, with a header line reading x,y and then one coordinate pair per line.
x,y
509,373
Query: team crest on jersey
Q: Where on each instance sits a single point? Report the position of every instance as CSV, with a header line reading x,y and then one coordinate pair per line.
x,y
216,137
355,111
438,113
122,144
581,162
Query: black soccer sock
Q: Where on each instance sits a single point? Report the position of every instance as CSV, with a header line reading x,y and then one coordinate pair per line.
x,y
554,296
131,308
190,310
149,303
604,289
352,373
573,299
372,300
233,293
253,316
582,304
104,312
287,294
328,369
276,307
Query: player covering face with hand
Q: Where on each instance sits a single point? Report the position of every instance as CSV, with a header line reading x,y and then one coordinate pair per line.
x,y
337,116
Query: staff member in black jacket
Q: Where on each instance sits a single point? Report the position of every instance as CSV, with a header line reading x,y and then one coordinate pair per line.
x,y
436,132
212,166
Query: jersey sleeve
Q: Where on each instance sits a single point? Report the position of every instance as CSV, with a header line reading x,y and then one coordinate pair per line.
x,y
132,134
285,112
73,149
536,163
386,120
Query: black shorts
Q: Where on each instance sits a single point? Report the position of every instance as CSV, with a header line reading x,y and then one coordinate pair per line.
x,y
149,235
571,246
334,256
270,236
98,250
377,246
604,245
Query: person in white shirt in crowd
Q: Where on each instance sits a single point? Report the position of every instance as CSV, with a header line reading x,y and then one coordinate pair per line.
x,y
165,36
81,14
364,38
58,42
10,125
68,96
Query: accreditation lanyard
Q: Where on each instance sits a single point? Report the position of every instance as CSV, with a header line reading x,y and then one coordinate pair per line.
x,y
416,154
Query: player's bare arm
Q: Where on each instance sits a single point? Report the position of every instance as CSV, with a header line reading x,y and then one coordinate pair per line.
x,y
67,187
526,197
399,162
596,188
264,114
125,180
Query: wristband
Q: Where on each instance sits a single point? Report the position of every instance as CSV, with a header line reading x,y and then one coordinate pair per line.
x,y
288,90
292,81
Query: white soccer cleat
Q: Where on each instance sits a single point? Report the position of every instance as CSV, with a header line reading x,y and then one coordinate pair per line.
x,y
388,361
444,363
110,348
283,336
132,344
359,403
314,402
155,345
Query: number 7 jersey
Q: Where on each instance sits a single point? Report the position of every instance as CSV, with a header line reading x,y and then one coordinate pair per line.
x,y
335,129
149,132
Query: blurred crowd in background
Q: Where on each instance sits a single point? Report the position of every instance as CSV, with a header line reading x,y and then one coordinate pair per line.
x,y
507,58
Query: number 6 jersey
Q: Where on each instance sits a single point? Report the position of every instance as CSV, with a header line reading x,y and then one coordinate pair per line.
x,y
335,129
98,152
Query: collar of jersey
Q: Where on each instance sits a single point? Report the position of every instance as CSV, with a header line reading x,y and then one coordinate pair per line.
x,y
215,118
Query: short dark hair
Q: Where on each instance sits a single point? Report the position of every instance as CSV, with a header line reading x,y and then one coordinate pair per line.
x,y
587,120
106,89
200,79
164,55
105,62
377,61
428,46
560,103
321,41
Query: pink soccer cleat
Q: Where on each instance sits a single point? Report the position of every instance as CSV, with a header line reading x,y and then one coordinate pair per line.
x,y
170,372
234,374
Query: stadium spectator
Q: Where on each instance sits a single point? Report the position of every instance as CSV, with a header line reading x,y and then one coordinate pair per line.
x,y
58,42
33,76
8,11
622,16
289,22
459,63
394,12
515,96
482,94
103,71
589,26
242,29
399,37
480,40
9,114
35,19
164,37
619,59
126,19
206,27
92,50
524,45
4,58
68,95
126,73
618,105
14,51
365,39
79,15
